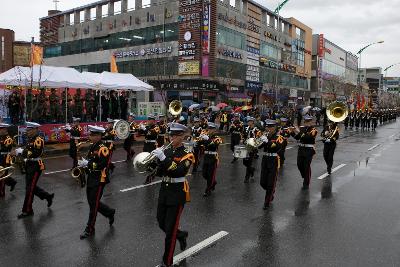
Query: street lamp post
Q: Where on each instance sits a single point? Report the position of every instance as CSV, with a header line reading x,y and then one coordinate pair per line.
x,y
277,10
360,66
359,53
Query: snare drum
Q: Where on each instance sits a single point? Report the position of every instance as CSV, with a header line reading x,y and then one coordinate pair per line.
x,y
241,152
189,145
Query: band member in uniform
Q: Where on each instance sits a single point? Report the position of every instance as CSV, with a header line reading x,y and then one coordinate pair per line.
x,y
250,132
131,138
211,143
162,126
272,144
75,135
95,166
236,131
34,166
374,120
195,133
357,119
108,138
174,165
306,136
150,133
346,122
203,121
351,119
285,134
330,135
6,144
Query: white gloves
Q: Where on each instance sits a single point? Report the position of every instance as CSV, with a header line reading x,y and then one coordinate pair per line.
x,y
204,137
142,127
327,140
264,139
18,151
68,127
83,163
159,153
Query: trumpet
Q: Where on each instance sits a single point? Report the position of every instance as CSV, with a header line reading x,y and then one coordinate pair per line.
x,y
143,161
6,172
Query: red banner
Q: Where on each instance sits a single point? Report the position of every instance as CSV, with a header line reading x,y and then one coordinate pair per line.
x,y
53,133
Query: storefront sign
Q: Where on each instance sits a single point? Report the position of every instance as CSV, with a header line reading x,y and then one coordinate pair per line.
x,y
252,73
144,52
281,66
189,85
204,66
270,36
351,61
254,86
232,20
253,27
189,68
229,53
321,45
206,29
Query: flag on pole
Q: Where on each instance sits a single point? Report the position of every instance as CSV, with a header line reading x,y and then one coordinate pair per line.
x,y
113,65
36,55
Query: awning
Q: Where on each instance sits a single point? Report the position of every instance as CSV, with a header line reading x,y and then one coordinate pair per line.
x,y
238,97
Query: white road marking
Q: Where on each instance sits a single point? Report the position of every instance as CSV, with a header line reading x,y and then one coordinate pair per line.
x,y
323,176
140,186
199,246
373,147
392,136
47,173
289,147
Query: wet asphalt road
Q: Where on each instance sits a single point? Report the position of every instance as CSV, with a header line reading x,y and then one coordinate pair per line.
x,y
350,218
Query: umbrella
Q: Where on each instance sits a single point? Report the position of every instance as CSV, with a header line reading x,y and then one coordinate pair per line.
x,y
227,108
194,106
214,108
244,108
222,105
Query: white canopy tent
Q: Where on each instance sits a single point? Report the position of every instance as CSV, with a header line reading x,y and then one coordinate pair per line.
x,y
63,77
46,76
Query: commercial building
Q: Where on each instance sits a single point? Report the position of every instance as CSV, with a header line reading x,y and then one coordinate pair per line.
x,y
189,49
391,85
334,72
6,49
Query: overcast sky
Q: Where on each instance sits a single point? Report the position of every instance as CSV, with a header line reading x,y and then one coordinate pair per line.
x,y
349,24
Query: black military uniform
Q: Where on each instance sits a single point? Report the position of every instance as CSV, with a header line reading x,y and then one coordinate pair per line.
x,y
351,119
75,135
34,166
195,132
128,142
211,144
150,141
270,161
306,138
236,131
250,132
285,134
357,119
97,178
162,132
108,138
330,135
374,120
6,143
174,193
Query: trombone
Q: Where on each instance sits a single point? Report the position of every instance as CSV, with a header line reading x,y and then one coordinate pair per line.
x,y
6,172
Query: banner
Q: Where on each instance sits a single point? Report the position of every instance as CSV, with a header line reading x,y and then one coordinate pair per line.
x,y
52,133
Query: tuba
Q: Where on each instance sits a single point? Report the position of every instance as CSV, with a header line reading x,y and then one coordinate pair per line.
x,y
175,108
337,111
143,161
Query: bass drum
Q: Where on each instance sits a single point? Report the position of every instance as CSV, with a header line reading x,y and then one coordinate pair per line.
x,y
240,152
122,129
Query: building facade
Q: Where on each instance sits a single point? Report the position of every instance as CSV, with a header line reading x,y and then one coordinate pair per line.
x,y
391,85
6,49
334,72
188,49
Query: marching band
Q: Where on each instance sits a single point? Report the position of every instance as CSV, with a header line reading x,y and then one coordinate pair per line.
x,y
171,151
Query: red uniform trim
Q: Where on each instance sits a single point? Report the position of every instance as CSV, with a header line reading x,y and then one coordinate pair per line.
x,y
173,240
